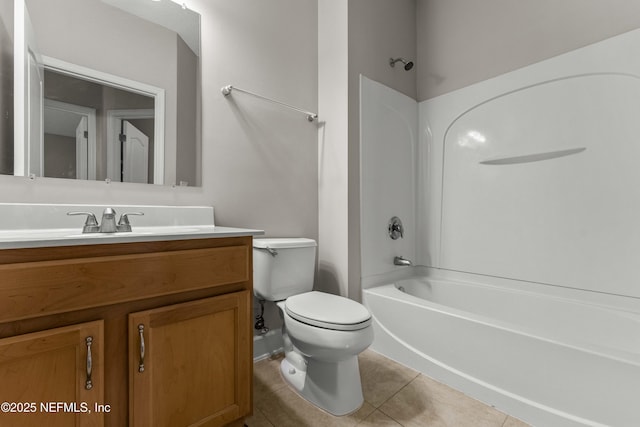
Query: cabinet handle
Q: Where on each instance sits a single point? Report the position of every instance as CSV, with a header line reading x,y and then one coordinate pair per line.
x,y
89,384
141,331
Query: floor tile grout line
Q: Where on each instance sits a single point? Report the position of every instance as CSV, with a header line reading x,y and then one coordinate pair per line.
x,y
398,391
374,411
265,417
381,411
392,396
355,422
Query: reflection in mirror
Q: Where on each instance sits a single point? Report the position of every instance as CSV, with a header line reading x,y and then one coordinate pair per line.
x,y
117,85
69,140
6,87
97,119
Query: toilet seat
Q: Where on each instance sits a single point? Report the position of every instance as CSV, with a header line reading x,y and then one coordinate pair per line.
x,y
328,311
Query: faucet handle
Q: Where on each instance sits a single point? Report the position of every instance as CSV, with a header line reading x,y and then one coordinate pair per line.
x,y
395,228
123,222
90,224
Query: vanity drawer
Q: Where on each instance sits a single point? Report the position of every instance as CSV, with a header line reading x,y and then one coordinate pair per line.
x,y
40,288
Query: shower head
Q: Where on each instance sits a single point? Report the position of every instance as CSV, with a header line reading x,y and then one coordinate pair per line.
x,y
407,65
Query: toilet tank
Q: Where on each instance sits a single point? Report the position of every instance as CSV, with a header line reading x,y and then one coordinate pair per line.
x,y
283,267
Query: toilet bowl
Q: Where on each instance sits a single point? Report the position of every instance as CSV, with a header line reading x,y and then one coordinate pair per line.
x,y
323,333
329,375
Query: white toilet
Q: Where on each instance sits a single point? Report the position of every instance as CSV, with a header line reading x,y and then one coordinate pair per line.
x,y
323,333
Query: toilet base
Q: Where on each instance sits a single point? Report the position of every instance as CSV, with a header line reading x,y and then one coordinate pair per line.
x,y
332,386
293,376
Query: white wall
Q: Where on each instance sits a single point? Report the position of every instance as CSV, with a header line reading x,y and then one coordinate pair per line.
x,y
461,42
537,169
389,163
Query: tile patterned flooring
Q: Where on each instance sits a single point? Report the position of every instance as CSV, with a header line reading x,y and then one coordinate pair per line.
x,y
394,396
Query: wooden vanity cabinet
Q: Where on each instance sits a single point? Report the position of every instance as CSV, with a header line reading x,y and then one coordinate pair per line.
x,y
189,301
42,370
188,363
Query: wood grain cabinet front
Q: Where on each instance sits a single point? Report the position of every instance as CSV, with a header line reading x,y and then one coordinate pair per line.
x,y
162,330
53,378
188,364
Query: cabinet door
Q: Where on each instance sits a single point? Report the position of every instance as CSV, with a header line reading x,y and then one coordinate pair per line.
x,y
53,378
191,364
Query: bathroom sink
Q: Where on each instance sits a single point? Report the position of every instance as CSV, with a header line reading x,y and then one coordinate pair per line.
x,y
44,225
145,231
68,234
107,235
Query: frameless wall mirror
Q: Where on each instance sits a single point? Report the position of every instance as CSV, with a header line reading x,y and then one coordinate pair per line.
x,y
104,90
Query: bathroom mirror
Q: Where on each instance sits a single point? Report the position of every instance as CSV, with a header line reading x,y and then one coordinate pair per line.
x,y
106,90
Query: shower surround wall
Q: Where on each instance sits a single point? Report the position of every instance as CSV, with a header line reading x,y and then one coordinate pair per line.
x,y
388,165
532,175
525,182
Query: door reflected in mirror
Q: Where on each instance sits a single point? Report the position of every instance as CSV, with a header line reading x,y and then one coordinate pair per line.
x,y
97,122
106,90
69,140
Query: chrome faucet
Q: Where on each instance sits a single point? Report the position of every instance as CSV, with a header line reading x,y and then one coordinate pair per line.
x,y
108,223
399,260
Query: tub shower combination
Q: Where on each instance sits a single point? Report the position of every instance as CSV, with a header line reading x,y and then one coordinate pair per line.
x,y
520,201
549,360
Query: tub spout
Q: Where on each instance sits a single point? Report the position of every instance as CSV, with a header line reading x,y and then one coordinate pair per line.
x,y
399,260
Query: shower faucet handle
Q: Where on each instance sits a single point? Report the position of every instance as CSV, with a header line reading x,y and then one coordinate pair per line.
x,y
395,228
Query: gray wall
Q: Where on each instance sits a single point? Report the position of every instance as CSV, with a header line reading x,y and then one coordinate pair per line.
x,y
259,160
461,42
378,30
356,38
59,156
187,120
333,191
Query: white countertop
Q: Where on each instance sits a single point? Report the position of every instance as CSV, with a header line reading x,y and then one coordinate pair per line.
x,y
47,225
14,239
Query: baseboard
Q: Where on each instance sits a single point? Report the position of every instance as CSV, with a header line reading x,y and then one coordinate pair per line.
x,y
267,345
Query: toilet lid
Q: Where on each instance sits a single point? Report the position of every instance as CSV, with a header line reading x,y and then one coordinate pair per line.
x,y
328,311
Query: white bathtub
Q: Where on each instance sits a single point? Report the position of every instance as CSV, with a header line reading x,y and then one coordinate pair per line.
x,y
548,360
